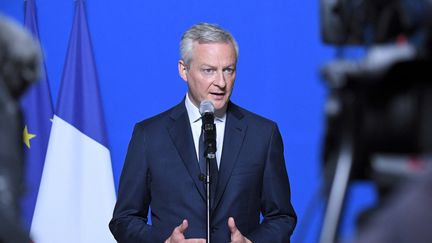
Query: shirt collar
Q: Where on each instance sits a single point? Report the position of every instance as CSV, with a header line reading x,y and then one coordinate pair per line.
x,y
194,114
192,110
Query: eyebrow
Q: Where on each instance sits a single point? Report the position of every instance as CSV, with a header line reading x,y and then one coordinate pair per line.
x,y
211,66
207,66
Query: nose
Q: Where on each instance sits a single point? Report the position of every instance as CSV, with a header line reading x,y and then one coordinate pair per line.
x,y
220,80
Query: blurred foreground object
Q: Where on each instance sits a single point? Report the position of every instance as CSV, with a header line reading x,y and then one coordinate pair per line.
x,y
378,110
366,22
405,217
20,58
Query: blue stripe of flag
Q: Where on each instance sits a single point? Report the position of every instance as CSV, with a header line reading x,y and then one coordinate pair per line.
x,y
38,112
81,105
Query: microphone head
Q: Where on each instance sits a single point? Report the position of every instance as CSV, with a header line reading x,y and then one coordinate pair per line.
x,y
206,106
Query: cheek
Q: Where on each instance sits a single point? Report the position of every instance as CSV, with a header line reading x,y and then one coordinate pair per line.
x,y
201,86
230,84
196,81
205,83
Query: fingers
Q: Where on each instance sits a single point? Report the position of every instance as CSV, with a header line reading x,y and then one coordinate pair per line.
x,y
178,235
231,225
183,226
195,241
236,235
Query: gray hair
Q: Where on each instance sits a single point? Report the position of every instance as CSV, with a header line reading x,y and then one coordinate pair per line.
x,y
204,33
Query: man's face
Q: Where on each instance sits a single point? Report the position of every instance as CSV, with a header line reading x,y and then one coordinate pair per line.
x,y
211,73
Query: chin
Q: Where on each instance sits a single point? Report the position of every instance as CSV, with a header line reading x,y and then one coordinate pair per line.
x,y
219,105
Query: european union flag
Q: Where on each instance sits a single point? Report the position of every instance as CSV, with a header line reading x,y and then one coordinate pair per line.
x,y
38,112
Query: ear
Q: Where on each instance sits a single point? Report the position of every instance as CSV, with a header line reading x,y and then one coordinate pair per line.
x,y
182,69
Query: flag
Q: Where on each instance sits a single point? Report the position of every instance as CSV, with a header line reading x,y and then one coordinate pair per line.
x,y
37,109
76,196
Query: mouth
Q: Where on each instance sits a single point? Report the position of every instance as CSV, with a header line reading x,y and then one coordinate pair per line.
x,y
217,95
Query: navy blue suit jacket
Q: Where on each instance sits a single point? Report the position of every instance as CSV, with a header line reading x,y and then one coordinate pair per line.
x,y
161,171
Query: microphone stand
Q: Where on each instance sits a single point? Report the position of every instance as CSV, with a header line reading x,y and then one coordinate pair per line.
x,y
209,130
208,182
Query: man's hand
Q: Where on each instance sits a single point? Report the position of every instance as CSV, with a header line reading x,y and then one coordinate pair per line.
x,y
177,235
236,235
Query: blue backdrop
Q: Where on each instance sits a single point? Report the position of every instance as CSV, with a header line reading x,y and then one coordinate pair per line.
x,y
136,50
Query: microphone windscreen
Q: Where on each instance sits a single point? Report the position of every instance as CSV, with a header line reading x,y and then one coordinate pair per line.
x,y
206,106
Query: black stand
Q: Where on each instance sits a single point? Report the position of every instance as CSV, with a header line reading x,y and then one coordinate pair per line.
x,y
209,132
337,194
342,154
208,181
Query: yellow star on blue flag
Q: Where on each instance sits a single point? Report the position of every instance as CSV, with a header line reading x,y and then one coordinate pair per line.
x,y
27,136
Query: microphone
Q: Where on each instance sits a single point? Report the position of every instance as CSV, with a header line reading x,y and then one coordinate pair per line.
x,y
208,128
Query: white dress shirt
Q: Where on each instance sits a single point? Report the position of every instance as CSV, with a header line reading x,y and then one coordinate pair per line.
x,y
196,123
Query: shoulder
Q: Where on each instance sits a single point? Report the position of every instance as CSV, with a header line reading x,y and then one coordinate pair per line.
x,y
156,127
162,119
251,117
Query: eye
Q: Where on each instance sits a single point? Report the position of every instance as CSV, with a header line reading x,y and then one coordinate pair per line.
x,y
208,70
229,70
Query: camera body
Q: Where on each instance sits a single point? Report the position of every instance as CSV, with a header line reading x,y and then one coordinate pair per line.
x,y
382,102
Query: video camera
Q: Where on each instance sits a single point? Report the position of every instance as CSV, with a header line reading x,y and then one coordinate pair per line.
x,y
379,107
383,102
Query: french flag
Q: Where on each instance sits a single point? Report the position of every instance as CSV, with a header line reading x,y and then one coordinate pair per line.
x,y
76,195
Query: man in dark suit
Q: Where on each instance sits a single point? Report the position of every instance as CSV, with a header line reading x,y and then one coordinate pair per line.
x,y
162,169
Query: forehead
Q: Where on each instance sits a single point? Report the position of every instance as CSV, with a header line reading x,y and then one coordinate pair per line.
x,y
214,53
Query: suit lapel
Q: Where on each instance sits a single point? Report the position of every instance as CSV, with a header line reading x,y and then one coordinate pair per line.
x,y
181,135
235,130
